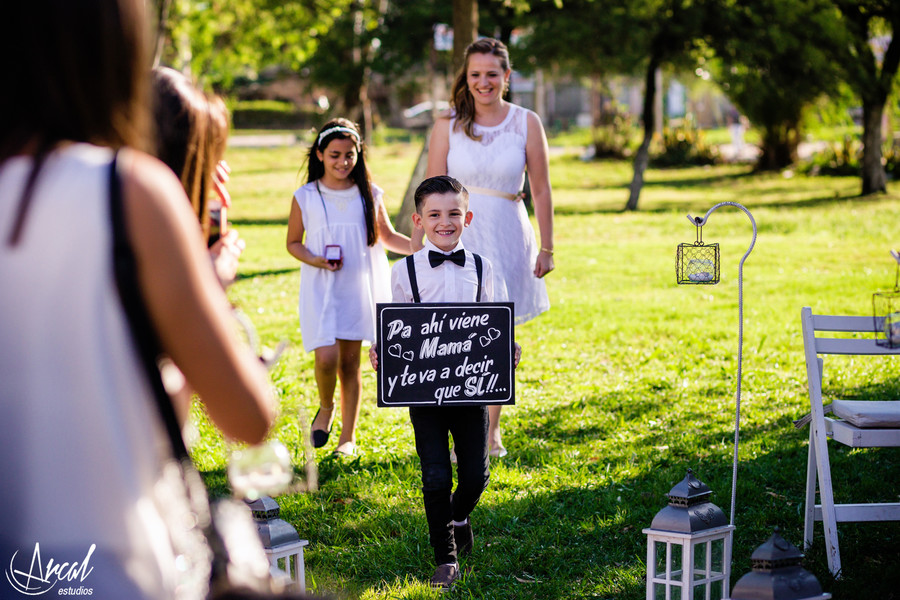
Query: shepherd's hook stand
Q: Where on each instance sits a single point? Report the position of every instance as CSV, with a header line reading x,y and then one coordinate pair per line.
x,y
699,222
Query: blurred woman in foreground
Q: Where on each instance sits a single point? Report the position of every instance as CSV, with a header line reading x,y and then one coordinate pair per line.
x,y
82,443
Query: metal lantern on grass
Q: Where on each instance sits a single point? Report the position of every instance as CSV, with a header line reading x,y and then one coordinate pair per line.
x,y
777,575
689,546
886,311
281,542
697,263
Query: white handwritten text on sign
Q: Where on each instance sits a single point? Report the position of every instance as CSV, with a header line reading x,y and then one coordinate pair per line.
x,y
445,354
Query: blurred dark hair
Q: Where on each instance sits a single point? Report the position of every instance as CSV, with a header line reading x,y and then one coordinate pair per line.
x,y
191,134
461,99
439,184
77,71
360,173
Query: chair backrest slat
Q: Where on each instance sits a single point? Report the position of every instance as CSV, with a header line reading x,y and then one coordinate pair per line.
x,y
843,323
850,346
818,324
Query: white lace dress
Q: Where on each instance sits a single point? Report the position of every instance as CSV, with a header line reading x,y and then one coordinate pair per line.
x,y
340,304
500,229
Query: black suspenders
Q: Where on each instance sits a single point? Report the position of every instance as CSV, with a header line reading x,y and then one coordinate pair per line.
x,y
477,274
414,284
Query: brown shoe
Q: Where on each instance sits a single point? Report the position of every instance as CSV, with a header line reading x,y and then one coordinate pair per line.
x,y
464,538
445,576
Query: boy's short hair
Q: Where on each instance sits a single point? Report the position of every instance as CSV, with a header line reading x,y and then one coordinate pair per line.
x,y
439,184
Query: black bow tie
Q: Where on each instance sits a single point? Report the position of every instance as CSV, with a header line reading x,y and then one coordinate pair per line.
x,y
436,258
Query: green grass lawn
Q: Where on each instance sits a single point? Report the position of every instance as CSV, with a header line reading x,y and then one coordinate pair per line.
x,y
624,384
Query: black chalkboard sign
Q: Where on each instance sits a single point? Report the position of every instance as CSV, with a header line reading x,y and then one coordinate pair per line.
x,y
443,354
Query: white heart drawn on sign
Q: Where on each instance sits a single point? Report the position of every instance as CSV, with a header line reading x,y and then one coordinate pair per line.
x,y
408,355
493,333
395,350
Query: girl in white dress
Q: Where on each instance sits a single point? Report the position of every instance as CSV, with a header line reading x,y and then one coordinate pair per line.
x,y
487,143
339,228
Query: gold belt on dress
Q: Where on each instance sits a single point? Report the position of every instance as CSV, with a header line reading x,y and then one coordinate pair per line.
x,y
489,192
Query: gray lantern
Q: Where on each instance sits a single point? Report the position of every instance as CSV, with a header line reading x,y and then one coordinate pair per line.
x,y
689,546
282,543
777,575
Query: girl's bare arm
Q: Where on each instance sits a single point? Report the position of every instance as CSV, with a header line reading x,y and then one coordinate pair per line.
x,y
187,305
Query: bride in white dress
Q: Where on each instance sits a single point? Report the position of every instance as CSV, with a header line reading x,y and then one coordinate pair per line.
x,y
486,144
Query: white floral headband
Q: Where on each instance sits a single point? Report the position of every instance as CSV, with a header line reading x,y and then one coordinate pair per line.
x,y
338,129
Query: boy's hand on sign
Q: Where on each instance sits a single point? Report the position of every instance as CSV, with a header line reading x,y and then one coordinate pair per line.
x,y
373,356
518,355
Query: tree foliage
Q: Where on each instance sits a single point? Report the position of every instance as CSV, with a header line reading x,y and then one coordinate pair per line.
x,y
674,31
407,34
583,37
774,57
220,41
343,57
869,60
775,61
604,37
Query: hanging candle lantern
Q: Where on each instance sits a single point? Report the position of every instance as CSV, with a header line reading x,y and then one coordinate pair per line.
x,y
777,575
697,263
886,311
689,546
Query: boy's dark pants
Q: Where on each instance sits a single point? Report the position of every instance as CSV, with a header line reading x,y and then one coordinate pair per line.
x,y
469,427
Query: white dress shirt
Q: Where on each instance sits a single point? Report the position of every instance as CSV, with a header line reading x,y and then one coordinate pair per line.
x,y
446,282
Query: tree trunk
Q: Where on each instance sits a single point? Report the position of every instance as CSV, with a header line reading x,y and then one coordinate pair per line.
x,y
357,91
364,54
596,110
367,117
872,81
658,116
161,17
465,29
403,219
642,157
540,96
352,101
779,147
874,179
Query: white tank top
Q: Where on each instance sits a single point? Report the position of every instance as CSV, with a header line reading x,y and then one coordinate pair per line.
x,y
80,440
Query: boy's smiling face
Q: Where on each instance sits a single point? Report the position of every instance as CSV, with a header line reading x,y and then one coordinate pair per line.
x,y
443,217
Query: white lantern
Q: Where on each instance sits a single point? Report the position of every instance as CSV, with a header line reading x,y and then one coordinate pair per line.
x,y
281,542
689,546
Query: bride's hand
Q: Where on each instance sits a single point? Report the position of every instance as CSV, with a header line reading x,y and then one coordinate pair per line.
x,y
543,264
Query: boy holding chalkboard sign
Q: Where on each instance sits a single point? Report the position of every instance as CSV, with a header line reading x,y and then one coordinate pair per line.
x,y
443,271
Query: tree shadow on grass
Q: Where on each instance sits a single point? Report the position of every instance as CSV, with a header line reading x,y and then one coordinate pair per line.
x,y
258,221
702,180
555,524
574,542
662,206
266,273
770,490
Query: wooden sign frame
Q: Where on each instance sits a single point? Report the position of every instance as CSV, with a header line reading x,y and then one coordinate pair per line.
x,y
446,354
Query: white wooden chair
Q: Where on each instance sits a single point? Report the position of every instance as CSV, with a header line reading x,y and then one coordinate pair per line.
x,y
854,423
